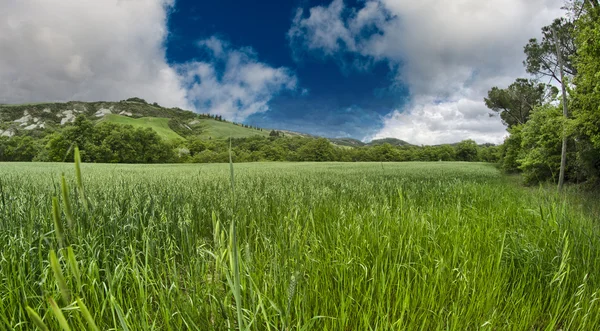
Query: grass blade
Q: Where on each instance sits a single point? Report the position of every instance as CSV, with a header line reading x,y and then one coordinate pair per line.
x,y
87,316
36,319
235,266
66,203
58,228
60,279
62,321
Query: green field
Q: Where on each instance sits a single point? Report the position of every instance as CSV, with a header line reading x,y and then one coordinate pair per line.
x,y
299,246
158,124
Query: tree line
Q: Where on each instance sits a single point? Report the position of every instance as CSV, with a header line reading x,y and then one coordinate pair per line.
x,y
115,143
535,111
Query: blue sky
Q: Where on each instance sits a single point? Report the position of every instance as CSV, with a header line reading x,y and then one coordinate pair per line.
x,y
413,70
329,100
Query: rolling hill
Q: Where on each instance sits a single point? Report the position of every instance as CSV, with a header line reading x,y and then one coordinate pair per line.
x,y
170,123
158,124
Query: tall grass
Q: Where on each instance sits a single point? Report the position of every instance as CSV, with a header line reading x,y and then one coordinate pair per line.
x,y
311,246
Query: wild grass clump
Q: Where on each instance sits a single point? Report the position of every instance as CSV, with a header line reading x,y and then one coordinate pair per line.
x,y
311,246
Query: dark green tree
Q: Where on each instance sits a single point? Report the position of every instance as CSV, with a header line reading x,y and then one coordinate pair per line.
x,y
466,150
541,58
515,103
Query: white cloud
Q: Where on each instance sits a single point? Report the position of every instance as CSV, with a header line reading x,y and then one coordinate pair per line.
x,y
86,50
234,83
429,122
91,50
447,52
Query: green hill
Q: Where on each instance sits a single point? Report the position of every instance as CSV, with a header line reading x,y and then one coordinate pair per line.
x,y
37,119
213,129
391,141
347,142
158,124
170,123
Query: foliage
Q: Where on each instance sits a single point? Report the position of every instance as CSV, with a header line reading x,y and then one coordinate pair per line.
x,y
317,150
135,99
541,59
466,150
108,142
534,146
512,150
18,148
586,97
542,139
515,103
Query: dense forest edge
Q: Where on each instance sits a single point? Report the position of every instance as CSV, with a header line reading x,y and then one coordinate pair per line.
x,y
538,116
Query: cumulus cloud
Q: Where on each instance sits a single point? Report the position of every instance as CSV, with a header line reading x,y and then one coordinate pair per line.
x,y
91,50
234,83
86,50
448,53
432,122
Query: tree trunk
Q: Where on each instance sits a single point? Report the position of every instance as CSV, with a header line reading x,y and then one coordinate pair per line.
x,y
563,154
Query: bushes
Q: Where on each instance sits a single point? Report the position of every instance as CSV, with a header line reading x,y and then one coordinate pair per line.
x,y
107,143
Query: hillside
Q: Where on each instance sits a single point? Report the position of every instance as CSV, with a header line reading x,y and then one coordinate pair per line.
x,y
391,141
170,123
213,129
348,142
158,124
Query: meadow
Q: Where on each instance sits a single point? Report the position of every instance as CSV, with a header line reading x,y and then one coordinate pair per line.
x,y
292,246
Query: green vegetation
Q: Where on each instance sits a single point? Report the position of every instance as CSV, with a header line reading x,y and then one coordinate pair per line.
x,y
158,124
317,246
534,113
214,129
109,142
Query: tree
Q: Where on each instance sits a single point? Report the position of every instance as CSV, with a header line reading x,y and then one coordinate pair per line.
x,y
586,95
466,150
541,57
515,103
136,99
317,150
511,150
541,143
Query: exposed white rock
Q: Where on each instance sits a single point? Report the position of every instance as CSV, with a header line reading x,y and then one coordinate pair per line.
x,y
194,122
102,112
7,133
47,110
126,113
68,117
31,127
25,119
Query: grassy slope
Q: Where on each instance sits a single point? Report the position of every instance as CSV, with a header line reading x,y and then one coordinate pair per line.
x,y
321,246
158,124
222,130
